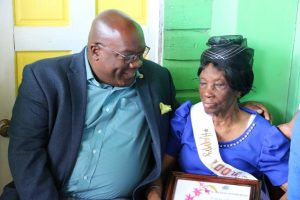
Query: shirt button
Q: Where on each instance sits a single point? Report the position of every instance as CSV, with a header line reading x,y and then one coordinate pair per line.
x,y
85,177
100,131
94,151
107,109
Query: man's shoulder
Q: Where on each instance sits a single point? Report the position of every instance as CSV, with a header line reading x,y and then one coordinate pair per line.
x,y
150,66
53,60
150,63
56,63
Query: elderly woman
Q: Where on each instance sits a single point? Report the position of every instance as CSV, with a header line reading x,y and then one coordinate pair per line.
x,y
219,130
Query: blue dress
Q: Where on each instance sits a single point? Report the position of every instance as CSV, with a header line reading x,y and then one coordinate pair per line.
x,y
294,163
261,149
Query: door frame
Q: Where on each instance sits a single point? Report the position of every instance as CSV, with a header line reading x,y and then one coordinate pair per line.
x,y
7,81
294,82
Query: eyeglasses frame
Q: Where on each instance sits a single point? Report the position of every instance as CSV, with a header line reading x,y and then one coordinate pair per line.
x,y
127,58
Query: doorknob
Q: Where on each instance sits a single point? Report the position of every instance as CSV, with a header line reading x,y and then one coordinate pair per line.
x,y
4,124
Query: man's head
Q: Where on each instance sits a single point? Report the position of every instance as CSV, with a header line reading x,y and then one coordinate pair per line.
x,y
115,48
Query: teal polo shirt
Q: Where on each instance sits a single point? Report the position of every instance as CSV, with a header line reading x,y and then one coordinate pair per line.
x,y
114,151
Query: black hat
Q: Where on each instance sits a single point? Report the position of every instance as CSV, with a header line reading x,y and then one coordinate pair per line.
x,y
228,48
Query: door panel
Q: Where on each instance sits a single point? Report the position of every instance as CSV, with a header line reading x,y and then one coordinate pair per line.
x,y
26,57
137,9
185,35
40,13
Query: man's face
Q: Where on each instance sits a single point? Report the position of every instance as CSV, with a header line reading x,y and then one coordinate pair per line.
x,y
114,66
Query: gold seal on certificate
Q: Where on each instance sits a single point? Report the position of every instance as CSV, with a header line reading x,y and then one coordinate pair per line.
x,y
183,186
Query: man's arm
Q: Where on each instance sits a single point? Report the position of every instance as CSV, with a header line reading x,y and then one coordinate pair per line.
x,y
284,187
155,189
29,135
259,108
287,128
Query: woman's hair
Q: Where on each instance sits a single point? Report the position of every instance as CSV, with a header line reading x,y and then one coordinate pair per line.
x,y
230,54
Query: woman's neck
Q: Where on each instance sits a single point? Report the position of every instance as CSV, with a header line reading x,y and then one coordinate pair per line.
x,y
230,124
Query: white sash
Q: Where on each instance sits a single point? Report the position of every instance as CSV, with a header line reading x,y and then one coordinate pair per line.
x,y
208,147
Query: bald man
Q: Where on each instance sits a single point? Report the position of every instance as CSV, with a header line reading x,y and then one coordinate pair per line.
x,y
91,125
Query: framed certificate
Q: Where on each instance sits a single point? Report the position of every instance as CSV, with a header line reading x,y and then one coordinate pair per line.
x,y
182,186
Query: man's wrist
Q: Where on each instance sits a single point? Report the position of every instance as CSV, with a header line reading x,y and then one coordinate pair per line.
x,y
154,190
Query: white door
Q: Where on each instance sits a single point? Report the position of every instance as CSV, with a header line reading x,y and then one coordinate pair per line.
x,y
23,40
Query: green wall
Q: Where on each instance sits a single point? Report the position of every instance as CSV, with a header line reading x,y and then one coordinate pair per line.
x,y
271,33
270,27
186,30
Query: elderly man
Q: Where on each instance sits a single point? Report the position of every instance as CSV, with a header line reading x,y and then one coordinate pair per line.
x,y
91,125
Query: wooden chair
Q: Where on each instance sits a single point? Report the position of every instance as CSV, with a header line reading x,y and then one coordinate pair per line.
x,y
275,192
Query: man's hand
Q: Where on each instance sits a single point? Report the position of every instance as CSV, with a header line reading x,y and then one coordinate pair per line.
x,y
287,128
259,108
154,193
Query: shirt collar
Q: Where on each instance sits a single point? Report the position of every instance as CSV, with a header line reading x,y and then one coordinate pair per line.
x,y
89,74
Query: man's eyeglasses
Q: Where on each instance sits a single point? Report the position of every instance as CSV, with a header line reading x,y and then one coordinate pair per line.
x,y
128,58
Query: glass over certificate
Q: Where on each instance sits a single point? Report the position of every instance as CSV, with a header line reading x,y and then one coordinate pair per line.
x,y
184,186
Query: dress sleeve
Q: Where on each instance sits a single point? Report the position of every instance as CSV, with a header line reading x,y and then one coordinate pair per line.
x,y
178,123
274,156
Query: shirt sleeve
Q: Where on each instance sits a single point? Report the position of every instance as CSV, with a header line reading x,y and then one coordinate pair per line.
x,y
294,162
274,156
178,123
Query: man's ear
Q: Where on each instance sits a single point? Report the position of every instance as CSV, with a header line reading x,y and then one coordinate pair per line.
x,y
239,94
95,52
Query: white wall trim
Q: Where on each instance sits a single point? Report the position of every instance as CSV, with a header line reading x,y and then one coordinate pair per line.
x,y
294,82
7,57
7,81
153,32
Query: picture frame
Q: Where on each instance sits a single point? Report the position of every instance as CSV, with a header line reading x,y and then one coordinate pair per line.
x,y
183,186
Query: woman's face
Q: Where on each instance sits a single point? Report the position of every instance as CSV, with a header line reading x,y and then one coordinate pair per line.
x,y
216,95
